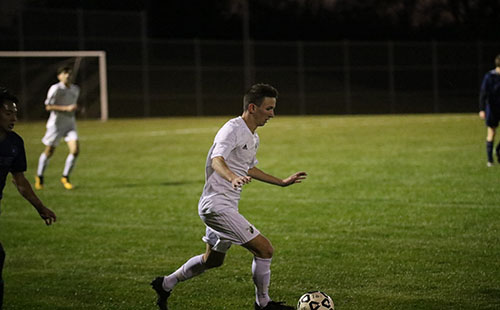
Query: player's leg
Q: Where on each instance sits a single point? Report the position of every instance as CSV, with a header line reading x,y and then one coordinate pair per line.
x,y
490,140
50,140
214,255
260,247
74,149
492,121
497,151
43,162
2,259
493,130
262,250
194,267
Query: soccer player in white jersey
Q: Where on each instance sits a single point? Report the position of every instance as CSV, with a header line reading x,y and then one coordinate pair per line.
x,y
62,103
231,163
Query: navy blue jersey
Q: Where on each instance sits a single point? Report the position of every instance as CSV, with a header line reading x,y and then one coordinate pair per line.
x,y
490,92
12,157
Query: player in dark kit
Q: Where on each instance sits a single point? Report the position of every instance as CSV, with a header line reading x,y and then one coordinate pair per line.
x,y
13,160
489,108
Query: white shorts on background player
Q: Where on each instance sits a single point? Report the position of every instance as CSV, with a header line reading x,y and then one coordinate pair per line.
x,y
54,134
61,124
218,205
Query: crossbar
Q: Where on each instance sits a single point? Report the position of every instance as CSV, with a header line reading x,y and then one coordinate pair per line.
x,y
103,80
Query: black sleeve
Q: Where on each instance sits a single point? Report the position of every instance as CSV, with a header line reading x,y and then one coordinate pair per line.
x,y
482,101
19,164
483,94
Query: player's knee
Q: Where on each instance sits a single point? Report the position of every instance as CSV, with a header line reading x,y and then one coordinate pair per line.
x,y
214,260
49,151
74,149
212,263
266,252
270,251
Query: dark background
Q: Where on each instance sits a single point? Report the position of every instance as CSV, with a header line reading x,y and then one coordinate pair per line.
x,y
302,19
168,58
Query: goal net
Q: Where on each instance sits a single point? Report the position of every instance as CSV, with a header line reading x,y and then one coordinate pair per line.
x,y
29,75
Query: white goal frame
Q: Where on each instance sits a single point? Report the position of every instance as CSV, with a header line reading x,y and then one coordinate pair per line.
x,y
101,55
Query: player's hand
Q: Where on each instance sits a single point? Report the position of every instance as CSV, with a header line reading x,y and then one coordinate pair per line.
x,y
71,107
240,181
482,115
47,215
295,178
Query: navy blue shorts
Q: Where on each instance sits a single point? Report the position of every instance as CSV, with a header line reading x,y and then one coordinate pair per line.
x,y
492,117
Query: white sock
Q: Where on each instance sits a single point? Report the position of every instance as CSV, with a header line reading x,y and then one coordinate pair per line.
x,y
43,161
68,166
261,274
193,267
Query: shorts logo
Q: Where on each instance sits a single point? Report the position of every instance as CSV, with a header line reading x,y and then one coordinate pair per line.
x,y
250,229
245,147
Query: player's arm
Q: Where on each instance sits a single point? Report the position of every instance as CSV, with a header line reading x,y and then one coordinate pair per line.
x,y
220,166
482,104
51,105
24,188
483,97
260,175
61,108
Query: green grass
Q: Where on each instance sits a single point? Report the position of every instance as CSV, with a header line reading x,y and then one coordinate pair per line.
x,y
398,212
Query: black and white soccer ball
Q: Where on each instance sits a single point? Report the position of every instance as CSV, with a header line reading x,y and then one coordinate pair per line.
x,y
315,300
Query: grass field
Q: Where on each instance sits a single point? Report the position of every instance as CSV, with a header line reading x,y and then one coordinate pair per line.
x,y
398,212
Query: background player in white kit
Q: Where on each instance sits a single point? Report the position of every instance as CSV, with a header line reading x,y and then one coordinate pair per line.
x,y
231,163
62,103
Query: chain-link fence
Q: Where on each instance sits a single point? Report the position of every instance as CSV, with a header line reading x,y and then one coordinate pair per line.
x,y
150,77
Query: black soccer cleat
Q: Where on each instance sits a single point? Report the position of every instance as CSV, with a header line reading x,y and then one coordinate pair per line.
x,y
163,295
274,305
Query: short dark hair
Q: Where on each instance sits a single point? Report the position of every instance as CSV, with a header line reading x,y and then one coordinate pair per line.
x,y
63,69
257,93
497,60
6,95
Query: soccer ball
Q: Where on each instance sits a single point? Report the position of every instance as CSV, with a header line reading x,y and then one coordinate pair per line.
x,y
315,300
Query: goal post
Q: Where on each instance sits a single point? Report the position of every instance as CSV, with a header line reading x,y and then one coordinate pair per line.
x,y
78,56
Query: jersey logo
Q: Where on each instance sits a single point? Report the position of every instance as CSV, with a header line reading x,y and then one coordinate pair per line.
x,y
245,147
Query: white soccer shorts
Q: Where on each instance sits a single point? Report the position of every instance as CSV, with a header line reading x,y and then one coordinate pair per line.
x,y
227,227
54,134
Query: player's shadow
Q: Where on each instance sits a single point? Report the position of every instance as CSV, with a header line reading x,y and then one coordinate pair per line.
x,y
176,183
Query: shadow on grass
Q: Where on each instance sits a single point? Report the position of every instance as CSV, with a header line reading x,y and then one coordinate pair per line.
x,y
141,184
177,183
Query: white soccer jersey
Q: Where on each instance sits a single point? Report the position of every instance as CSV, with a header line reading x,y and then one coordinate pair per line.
x,y
59,94
238,146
